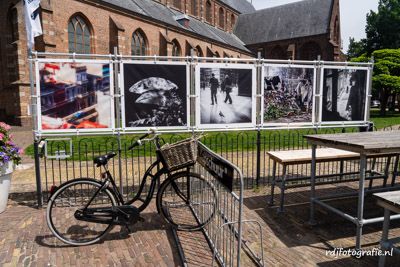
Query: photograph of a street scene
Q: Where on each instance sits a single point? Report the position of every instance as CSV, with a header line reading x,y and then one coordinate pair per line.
x,y
288,94
75,96
225,95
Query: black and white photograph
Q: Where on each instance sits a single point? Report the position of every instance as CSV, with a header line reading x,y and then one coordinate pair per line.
x,y
288,94
226,95
344,95
155,95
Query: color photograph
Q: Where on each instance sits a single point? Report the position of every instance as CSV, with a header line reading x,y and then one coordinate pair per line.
x,y
288,94
344,95
226,96
75,96
155,95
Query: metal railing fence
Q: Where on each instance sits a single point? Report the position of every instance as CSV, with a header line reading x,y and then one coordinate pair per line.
x,y
70,159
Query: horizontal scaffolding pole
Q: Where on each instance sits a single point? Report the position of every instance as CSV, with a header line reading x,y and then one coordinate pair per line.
x,y
195,58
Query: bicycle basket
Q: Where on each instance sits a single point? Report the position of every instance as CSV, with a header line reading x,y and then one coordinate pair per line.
x,y
180,155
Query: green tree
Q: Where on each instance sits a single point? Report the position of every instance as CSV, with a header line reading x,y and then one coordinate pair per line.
x,y
383,27
356,48
386,78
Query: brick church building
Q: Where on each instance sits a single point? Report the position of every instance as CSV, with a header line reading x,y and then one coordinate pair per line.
x,y
212,28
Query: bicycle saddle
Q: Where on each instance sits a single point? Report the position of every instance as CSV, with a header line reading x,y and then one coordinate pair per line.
x,y
102,160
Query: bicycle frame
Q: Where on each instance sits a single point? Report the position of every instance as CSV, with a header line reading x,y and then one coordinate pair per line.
x,y
154,179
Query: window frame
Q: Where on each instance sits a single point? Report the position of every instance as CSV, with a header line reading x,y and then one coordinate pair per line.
x,y
176,47
221,18
79,27
194,8
208,11
139,36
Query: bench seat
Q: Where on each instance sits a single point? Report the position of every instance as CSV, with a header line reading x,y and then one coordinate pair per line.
x,y
304,155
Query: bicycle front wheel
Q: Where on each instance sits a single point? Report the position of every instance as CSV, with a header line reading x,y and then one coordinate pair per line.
x,y
187,201
69,198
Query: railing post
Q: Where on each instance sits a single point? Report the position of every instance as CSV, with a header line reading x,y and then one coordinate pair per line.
x,y
39,192
368,128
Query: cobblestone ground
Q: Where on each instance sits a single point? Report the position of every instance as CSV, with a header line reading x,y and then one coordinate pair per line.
x,y
287,239
26,241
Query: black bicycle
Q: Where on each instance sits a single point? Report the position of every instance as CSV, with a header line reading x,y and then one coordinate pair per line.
x,y
83,211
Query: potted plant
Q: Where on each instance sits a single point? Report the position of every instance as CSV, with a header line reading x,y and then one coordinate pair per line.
x,y
10,156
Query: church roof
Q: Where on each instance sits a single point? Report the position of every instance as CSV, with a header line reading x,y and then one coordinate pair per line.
x,y
162,13
298,19
243,6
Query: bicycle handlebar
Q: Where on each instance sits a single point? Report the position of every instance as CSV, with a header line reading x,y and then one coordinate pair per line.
x,y
139,141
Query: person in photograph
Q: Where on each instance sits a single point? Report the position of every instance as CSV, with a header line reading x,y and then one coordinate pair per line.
x,y
214,84
355,99
307,100
304,94
228,89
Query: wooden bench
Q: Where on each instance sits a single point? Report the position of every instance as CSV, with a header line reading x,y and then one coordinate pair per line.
x,y
390,201
295,157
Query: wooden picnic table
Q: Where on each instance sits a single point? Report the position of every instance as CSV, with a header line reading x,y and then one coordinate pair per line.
x,y
390,201
366,144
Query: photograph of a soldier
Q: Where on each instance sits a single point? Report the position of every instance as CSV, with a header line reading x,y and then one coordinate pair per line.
x,y
225,95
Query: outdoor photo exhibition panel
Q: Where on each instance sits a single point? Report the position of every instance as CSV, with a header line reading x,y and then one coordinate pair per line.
x,y
344,95
74,96
155,95
288,95
225,96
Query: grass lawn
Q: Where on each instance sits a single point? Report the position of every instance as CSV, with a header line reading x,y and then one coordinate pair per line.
x,y
391,118
87,147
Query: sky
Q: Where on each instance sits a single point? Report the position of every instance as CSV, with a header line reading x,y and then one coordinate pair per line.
x,y
352,14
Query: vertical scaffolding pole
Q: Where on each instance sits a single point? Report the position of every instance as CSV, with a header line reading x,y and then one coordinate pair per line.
x,y
117,94
259,120
34,96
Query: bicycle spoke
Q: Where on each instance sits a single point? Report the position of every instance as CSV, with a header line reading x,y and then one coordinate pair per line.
x,y
187,201
67,201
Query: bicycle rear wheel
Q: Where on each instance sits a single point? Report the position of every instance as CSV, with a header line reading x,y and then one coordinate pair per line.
x,y
69,198
187,201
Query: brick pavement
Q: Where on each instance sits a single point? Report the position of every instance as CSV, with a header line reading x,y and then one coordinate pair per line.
x,y
26,241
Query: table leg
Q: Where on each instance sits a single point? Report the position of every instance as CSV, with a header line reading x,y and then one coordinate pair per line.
x,y
313,174
389,159
361,193
373,164
271,200
341,170
283,186
396,166
385,234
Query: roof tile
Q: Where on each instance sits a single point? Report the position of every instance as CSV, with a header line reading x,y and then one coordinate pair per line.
x,y
299,19
157,11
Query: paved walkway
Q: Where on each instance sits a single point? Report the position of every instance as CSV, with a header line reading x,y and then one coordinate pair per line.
x,y
26,241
